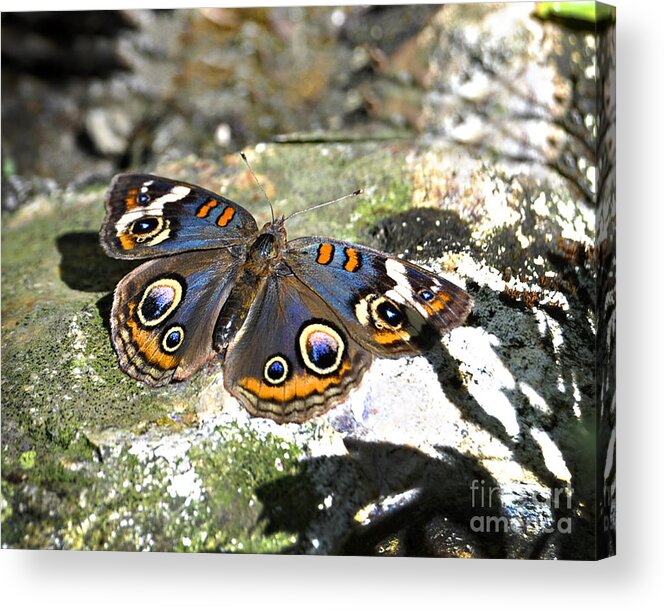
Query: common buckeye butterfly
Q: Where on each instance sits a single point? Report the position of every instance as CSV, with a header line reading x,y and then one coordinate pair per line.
x,y
296,323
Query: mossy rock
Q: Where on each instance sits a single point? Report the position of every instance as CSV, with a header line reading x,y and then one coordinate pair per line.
x,y
94,460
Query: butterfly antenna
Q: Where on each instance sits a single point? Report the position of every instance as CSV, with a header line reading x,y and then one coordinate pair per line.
x,y
320,205
249,167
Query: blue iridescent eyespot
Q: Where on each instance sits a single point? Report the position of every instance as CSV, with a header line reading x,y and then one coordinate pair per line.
x,y
173,338
321,347
143,198
157,301
160,299
276,370
426,295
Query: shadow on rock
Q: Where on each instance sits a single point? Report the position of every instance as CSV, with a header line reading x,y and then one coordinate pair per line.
x,y
427,231
435,520
447,370
84,266
573,435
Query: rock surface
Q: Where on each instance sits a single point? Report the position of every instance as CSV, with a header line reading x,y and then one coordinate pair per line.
x,y
93,459
483,447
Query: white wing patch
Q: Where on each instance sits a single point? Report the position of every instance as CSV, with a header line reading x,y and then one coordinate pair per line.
x,y
156,208
403,291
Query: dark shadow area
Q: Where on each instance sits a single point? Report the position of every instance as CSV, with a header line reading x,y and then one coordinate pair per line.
x,y
447,515
104,307
84,265
447,370
425,231
59,46
444,503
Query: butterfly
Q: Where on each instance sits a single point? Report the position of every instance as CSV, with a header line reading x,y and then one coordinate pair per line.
x,y
296,323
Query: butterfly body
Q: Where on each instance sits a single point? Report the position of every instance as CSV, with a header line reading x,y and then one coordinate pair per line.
x,y
297,323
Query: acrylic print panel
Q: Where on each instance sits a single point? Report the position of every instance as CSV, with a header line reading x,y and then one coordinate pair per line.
x,y
483,139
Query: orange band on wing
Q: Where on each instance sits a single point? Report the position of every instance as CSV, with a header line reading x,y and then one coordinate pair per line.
x,y
141,339
326,254
128,242
130,200
204,210
388,337
226,216
352,263
299,386
438,304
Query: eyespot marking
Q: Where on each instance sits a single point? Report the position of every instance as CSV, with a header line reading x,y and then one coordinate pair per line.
x,y
321,348
205,208
173,338
325,254
160,299
153,228
226,216
386,313
137,212
146,225
276,370
426,295
353,260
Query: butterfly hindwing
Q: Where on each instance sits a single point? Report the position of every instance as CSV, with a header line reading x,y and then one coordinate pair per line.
x,y
292,358
164,314
392,307
149,216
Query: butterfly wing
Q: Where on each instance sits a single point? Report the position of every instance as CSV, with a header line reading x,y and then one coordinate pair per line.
x,y
292,358
392,307
164,314
149,216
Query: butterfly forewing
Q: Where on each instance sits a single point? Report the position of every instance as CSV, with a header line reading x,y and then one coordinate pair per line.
x,y
149,216
391,306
